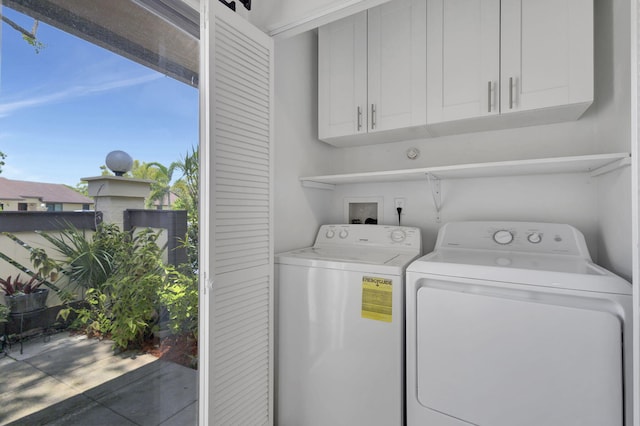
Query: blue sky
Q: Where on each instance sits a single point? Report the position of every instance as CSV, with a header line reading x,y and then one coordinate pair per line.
x,y
64,109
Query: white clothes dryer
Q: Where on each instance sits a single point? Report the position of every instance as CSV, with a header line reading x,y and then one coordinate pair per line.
x,y
340,327
511,323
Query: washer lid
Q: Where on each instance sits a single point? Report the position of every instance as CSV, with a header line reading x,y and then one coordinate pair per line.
x,y
368,260
538,262
543,270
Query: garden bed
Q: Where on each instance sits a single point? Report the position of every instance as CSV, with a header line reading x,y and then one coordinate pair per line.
x,y
181,349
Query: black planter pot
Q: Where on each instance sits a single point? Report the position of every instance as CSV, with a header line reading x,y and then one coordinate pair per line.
x,y
24,303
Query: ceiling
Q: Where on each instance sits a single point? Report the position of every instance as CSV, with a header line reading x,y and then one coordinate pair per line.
x,y
130,29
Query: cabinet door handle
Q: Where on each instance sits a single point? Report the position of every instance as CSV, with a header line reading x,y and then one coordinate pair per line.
x,y
489,97
359,118
373,116
510,92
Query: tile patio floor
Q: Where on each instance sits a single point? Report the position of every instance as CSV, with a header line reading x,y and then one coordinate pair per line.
x,y
71,380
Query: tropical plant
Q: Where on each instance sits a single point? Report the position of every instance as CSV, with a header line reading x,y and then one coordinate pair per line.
x,y
179,294
87,260
188,190
47,267
189,184
94,318
161,187
18,286
133,288
2,157
125,306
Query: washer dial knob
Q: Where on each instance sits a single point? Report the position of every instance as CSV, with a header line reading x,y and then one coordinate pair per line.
x,y
534,237
398,235
330,234
503,237
343,234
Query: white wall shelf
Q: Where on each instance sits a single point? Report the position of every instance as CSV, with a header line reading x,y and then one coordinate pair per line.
x,y
595,165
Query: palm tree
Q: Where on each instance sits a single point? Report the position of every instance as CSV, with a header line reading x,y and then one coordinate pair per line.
x,y
187,189
161,176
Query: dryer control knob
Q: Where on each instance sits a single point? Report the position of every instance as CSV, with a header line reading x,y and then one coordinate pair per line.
x,y
534,237
398,235
343,234
330,234
503,237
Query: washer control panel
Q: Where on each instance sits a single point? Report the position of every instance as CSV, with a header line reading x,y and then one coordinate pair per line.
x,y
514,236
380,236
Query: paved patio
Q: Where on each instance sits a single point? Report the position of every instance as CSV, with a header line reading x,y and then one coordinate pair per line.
x,y
72,380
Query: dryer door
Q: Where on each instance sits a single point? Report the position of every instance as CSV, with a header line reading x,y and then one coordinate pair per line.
x,y
492,356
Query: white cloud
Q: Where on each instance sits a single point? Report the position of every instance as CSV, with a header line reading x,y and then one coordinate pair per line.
x,y
73,92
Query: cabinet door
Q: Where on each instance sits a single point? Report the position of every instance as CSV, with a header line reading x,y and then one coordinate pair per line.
x,y
463,45
342,77
397,65
547,53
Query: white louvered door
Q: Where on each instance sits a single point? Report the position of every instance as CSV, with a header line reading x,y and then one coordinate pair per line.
x,y
236,325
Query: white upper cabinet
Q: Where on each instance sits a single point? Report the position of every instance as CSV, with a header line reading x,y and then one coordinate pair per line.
x,y
372,75
463,71
504,63
342,74
547,54
397,65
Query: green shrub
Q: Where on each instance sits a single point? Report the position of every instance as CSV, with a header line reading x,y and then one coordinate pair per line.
x,y
125,306
4,313
94,318
179,294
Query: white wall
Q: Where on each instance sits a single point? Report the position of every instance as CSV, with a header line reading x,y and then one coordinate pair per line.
x,y
298,211
613,132
541,198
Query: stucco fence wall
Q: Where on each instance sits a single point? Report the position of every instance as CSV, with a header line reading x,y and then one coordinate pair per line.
x,y
23,225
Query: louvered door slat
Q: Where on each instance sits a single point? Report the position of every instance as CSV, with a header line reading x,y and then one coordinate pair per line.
x,y
247,182
240,96
239,261
234,85
237,134
243,235
238,65
239,83
257,128
260,164
242,148
244,47
221,175
245,106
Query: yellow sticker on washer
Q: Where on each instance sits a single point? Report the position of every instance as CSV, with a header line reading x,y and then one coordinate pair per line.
x,y
377,297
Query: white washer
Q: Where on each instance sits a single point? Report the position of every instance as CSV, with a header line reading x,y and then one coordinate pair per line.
x,y
340,329
511,323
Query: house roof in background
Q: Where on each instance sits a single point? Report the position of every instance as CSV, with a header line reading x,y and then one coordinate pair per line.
x,y
47,192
